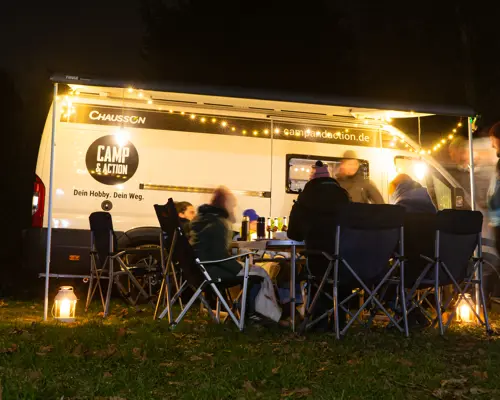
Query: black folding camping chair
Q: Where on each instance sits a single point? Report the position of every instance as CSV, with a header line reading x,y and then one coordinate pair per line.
x,y
452,262
169,270
368,238
104,257
197,277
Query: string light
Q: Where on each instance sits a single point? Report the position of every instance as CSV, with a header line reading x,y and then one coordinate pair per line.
x,y
440,144
203,119
224,123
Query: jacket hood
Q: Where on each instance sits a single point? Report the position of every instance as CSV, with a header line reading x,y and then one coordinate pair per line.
x,y
207,210
414,197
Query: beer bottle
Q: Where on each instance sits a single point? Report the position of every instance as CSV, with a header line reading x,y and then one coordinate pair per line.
x,y
269,228
284,228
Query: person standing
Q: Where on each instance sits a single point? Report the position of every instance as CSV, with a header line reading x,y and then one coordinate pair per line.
x,y
350,177
493,202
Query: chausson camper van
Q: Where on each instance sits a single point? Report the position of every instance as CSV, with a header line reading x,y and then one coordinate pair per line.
x,y
122,149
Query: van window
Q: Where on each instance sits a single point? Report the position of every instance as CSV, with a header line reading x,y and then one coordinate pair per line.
x,y
298,169
440,190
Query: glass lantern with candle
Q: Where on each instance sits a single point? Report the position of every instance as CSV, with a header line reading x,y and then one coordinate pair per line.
x,y
464,311
65,304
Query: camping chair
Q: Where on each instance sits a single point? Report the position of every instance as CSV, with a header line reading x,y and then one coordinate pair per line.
x,y
197,277
452,263
366,237
103,258
168,268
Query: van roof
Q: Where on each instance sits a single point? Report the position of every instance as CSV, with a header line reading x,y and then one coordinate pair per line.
x,y
259,99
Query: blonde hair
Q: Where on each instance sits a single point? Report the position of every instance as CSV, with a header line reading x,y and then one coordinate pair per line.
x,y
398,180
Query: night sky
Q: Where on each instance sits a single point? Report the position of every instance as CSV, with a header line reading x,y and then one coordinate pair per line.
x,y
419,52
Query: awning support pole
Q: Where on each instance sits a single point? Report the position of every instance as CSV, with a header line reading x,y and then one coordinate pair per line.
x,y
49,225
473,201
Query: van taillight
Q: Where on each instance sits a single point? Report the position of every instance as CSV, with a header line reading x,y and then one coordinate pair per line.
x,y
38,204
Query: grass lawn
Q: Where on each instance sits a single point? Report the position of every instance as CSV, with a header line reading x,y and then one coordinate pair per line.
x,y
129,356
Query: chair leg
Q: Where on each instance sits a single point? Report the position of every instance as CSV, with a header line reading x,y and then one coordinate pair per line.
x,y
336,298
403,298
191,301
110,287
437,295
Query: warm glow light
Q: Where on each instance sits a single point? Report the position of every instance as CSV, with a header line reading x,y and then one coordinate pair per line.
x,y
464,311
140,94
233,128
392,144
443,141
170,111
428,151
296,169
244,132
255,133
214,120
150,101
420,169
130,90
182,113
203,119
224,123
347,131
276,130
64,308
308,131
422,151
302,169
450,136
192,116
454,130
266,131
122,137
459,125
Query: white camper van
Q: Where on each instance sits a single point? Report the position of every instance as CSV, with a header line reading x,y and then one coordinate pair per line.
x,y
124,148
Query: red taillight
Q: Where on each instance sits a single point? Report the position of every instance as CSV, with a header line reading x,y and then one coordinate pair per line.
x,y
38,204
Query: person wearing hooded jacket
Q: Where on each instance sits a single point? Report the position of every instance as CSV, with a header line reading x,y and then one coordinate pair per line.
x,y
312,219
351,178
411,195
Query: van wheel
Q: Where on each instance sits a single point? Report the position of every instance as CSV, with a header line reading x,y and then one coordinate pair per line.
x,y
147,271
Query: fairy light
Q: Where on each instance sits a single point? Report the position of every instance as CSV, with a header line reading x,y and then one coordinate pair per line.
x,y
440,144
224,124
192,116
130,90
203,119
277,131
266,131
214,120
150,101
255,133
233,128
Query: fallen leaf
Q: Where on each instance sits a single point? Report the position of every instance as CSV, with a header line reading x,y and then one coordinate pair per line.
x,y
247,385
475,390
139,354
34,375
454,382
107,352
13,348
122,332
123,313
352,362
176,383
276,370
406,363
167,364
296,392
195,358
322,369
107,375
77,351
210,355
46,349
481,375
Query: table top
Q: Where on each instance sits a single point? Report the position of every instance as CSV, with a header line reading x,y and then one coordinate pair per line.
x,y
267,244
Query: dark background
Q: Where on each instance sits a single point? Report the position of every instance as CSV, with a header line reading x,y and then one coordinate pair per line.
x,y
417,52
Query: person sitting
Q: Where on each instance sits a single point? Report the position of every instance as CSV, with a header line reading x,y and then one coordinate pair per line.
x,y
211,237
186,213
313,218
351,178
411,195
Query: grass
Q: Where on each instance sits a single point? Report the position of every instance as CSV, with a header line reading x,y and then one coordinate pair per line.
x,y
129,356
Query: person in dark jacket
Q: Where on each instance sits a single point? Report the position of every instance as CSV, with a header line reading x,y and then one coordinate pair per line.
x,y
211,234
411,195
313,219
350,177
186,213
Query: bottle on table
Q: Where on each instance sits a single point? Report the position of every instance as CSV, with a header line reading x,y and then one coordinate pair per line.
x,y
261,228
245,229
284,227
269,228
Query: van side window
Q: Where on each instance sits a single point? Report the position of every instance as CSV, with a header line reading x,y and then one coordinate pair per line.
x,y
298,169
439,189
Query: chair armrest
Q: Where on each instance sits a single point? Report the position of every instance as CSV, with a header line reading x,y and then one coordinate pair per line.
x,y
329,257
229,258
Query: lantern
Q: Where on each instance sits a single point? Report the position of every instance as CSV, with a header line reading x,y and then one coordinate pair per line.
x,y
65,304
464,310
